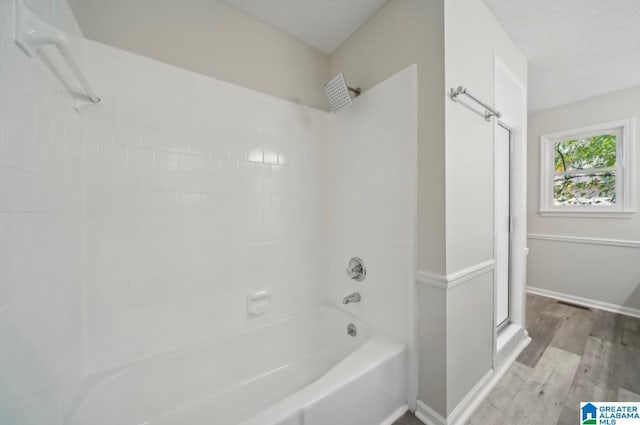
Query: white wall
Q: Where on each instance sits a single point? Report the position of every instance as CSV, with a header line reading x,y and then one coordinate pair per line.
x,y
586,268
401,33
138,226
197,192
454,42
56,12
473,41
372,202
211,38
41,358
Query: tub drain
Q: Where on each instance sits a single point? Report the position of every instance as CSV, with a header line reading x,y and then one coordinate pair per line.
x,y
351,330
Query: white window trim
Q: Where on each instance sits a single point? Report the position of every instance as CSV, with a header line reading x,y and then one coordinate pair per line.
x,y
625,176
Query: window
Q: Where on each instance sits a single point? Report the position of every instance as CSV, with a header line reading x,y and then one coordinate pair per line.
x,y
588,171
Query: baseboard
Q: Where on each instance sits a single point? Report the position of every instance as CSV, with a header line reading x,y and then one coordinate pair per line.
x,y
511,341
395,415
614,308
472,400
429,416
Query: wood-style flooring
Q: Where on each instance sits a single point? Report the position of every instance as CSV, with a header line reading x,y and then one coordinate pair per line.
x,y
575,355
408,419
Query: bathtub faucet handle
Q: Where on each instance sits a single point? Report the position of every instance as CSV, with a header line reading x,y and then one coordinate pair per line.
x,y
356,269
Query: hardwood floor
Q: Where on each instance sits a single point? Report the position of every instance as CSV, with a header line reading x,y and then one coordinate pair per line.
x,y
408,419
575,355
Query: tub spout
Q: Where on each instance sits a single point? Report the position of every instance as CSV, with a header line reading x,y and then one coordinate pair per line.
x,y
352,298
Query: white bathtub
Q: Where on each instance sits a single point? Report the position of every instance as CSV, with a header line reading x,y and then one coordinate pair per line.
x,y
304,370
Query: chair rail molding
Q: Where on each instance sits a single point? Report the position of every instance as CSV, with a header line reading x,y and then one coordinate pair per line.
x,y
585,240
456,278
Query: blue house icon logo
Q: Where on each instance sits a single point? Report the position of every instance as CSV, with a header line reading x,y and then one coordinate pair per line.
x,y
589,412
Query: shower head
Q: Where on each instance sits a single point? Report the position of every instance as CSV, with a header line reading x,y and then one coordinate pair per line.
x,y
338,93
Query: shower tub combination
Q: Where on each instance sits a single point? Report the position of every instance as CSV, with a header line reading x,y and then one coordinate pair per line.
x,y
320,367
304,370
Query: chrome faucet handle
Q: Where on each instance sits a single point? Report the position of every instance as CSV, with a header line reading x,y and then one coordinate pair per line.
x,y
354,272
356,269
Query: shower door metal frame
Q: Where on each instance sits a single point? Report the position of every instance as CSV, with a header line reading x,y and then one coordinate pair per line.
x,y
500,126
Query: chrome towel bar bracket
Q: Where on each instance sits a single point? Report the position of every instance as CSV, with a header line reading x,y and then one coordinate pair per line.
x,y
489,111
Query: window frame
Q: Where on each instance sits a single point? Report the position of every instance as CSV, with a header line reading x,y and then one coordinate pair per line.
x,y
625,171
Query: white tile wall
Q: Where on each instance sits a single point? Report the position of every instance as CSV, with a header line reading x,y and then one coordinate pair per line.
x,y
140,225
41,359
56,12
372,201
197,192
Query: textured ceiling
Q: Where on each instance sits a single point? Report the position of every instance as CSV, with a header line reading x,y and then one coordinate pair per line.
x,y
322,24
576,48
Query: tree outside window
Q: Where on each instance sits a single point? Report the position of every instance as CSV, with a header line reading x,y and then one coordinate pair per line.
x,y
585,171
588,171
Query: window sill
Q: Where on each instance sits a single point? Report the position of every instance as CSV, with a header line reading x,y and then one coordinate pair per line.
x,y
588,214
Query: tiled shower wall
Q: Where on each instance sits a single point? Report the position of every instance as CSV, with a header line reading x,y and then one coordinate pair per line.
x,y
197,192
372,202
41,358
174,199
140,225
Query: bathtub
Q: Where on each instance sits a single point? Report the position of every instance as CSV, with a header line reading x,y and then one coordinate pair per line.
x,y
304,370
